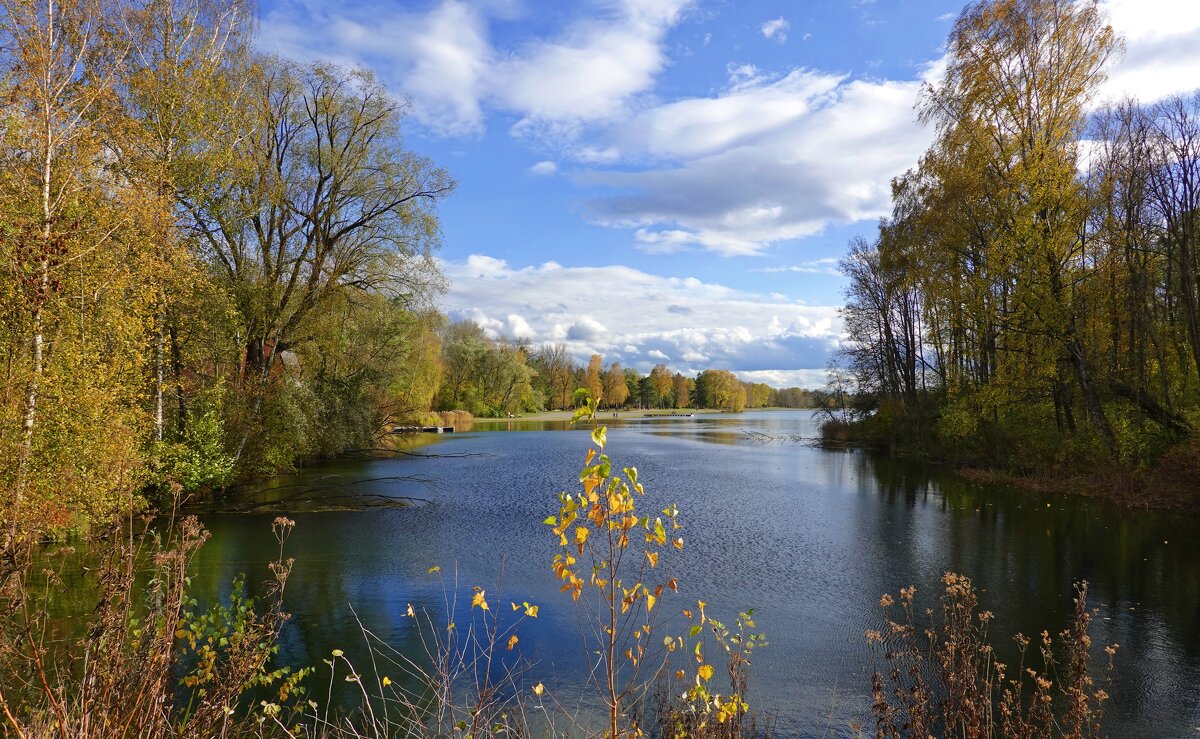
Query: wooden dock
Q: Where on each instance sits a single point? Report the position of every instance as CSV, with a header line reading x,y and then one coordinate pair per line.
x,y
422,429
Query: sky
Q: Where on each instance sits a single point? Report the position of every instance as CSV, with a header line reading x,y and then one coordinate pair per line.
x,y
672,181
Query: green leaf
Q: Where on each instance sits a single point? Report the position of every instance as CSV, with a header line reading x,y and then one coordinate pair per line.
x,y
694,630
551,521
600,436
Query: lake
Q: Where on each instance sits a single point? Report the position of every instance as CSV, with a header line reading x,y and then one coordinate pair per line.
x,y
808,537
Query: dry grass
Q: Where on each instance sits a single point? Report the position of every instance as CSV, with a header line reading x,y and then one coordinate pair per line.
x,y
943,678
123,677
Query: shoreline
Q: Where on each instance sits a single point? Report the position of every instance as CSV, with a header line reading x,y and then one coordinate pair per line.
x,y
632,413
1147,490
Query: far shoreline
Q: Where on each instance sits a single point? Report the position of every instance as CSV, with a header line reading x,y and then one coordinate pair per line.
x,y
632,413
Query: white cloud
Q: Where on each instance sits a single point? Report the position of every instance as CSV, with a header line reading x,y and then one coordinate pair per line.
x,y
688,323
450,57
443,59
763,161
438,59
822,266
518,327
587,329
776,29
543,169
1162,49
812,379
591,72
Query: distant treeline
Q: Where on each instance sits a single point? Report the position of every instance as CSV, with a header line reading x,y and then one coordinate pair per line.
x,y
494,377
1032,302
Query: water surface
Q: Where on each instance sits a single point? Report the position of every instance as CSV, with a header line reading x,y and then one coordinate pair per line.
x,y
810,538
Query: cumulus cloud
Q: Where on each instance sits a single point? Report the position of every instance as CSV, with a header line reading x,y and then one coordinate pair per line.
x,y
437,58
766,160
444,60
688,323
591,71
776,29
543,169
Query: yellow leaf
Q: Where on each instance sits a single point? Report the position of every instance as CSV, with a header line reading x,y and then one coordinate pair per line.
x,y
537,689
581,537
705,672
653,557
434,569
386,681
479,599
512,642
411,612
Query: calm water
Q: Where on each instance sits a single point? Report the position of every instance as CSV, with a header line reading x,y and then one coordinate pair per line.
x,y
809,538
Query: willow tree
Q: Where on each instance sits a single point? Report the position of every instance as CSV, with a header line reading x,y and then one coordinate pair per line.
x,y
313,197
1019,77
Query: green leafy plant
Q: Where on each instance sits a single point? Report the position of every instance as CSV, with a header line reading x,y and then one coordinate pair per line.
x,y
612,553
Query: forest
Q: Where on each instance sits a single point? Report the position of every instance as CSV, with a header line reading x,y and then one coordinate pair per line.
x,y
1030,304
218,264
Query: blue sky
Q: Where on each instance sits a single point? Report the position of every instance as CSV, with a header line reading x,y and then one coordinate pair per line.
x,y
672,180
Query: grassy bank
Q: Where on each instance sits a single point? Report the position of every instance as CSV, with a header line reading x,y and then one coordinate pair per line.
x,y
1032,458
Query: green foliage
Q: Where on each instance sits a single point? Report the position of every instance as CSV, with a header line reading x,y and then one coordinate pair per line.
x,y
487,378
199,461
1048,318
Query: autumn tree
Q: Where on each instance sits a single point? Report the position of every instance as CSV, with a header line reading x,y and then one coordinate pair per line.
x,y
73,241
554,365
681,390
183,64
593,378
317,198
616,390
1019,77
660,378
